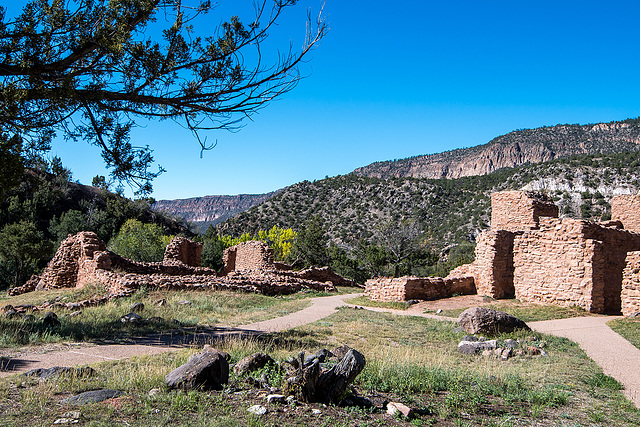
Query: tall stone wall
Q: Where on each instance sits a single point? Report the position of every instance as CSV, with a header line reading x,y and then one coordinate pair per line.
x,y
493,265
630,294
252,255
183,250
519,210
572,262
626,208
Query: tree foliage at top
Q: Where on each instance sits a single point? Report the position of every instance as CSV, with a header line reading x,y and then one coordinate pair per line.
x,y
91,69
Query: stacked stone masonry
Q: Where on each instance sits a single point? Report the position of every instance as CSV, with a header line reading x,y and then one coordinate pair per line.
x,y
83,259
531,253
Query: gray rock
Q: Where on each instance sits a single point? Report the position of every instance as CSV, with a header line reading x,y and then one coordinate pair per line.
x,y
252,363
208,369
11,314
50,319
131,318
45,373
488,321
509,343
473,347
29,318
94,396
137,308
471,338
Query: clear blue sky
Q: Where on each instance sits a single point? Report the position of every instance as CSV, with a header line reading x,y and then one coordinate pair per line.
x,y
404,78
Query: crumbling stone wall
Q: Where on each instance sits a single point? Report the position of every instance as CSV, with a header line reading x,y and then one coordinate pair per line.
x,y
630,294
424,288
83,259
493,265
251,255
183,250
519,210
626,209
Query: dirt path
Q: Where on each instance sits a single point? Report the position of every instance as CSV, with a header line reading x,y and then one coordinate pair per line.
x,y
72,355
617,357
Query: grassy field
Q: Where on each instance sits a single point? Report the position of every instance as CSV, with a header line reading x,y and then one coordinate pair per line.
x,y
182,309
411,360
629,328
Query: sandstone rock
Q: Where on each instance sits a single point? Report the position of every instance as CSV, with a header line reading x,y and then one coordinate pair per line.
x,y
93,396
252,363
396,407
488,321
208,369
275,398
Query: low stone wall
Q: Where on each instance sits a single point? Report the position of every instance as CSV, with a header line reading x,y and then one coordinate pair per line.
x,y
424,288
519,210
631,284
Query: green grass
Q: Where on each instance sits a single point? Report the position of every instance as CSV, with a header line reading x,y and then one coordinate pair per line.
x,y
409,359
628,328
365,301
527,312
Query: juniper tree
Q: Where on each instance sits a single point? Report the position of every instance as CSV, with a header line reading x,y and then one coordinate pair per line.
x,y
91,69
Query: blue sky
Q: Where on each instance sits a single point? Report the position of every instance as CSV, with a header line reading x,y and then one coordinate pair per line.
x,y
405,78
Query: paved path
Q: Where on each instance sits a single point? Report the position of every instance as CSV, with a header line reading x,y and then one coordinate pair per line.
x,y
617,357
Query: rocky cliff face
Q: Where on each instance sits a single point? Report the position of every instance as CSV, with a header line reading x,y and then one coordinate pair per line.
x,y
528,146
203,211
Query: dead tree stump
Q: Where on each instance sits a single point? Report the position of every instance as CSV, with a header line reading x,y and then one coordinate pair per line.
x,y
309,383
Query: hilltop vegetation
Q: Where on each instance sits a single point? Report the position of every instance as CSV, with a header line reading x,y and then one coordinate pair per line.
x,y
43,207
353,208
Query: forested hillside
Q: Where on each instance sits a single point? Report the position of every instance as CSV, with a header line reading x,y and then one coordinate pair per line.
x,y
42,208
354,208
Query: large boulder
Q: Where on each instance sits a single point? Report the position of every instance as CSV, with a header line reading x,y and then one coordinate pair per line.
x,y
480,320
208,369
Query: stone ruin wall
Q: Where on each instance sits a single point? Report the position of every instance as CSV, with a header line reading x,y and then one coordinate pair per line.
x,y
82,259
251,255
424,288
626,209
493,265
519,210
530,253
183,251
553,265
631,284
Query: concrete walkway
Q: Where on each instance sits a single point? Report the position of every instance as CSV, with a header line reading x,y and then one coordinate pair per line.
x,y
617,357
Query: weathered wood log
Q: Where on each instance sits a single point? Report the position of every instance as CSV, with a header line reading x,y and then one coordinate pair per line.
x,y
312,384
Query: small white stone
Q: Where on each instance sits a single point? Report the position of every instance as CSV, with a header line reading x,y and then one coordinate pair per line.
x,y
316,411
257,410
